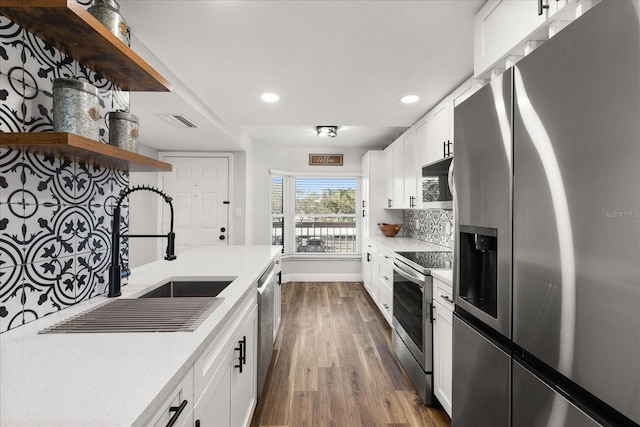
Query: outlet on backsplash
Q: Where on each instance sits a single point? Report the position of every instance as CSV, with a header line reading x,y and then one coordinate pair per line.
x,y
430,225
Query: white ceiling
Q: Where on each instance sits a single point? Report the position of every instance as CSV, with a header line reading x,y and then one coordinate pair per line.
x,y
344,63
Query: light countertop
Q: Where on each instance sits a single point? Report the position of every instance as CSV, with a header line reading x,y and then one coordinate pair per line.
x,y
446,275
117,379
399,244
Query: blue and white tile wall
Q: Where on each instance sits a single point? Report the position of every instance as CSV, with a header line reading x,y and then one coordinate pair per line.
x,y
430,225
55,215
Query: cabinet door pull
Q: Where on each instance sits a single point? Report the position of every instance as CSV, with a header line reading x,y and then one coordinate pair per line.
x,y
541,7
177,410
389,203
364,213
243,343
197,423
368,257
240,350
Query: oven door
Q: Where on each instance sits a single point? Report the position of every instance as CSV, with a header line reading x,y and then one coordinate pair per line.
x,y
412,312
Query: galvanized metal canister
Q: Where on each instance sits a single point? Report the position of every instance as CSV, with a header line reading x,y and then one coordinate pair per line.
x,y
76,108
123,130
108,13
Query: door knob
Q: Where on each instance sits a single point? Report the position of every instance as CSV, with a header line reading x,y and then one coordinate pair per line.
x,y
222,237
222,229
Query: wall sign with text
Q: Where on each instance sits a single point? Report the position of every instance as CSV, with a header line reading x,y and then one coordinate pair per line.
x,y
325,159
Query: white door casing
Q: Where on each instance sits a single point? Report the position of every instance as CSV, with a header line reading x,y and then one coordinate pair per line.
x,y
199,187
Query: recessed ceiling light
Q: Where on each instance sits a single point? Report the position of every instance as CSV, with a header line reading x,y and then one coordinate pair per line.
x,y
270,97
409,99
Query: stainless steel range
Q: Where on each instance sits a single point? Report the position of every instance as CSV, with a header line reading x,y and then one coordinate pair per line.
x,y
412,337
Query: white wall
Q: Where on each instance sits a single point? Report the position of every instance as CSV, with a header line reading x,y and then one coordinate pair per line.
x,y
144,212
143,215
263,157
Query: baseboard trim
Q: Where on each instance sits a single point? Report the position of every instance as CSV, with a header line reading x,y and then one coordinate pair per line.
x,y
321,278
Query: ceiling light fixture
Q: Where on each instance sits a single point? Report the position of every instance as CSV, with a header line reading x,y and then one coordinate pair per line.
x,y
270,97
327,131
409,99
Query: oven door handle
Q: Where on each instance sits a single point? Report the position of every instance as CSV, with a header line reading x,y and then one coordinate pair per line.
x,y
414,277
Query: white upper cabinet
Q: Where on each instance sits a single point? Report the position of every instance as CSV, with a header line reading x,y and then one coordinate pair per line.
x,y
430,139
374,193
505,30
387,158
397,173
401,171
499,26
440,137
422,143
410,169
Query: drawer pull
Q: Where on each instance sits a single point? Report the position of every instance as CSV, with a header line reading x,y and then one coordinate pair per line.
x,y
177,410
447,298
385,306
385,277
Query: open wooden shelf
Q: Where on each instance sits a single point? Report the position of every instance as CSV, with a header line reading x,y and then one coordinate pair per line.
x,y
77,148
66,25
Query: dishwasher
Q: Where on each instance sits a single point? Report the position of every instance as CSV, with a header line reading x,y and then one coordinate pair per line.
x,y
266,293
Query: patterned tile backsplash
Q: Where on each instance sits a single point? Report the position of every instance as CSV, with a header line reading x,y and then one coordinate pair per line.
x,y
55,215
430,225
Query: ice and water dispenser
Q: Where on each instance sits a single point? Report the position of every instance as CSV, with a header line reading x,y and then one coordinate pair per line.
x,y
479,268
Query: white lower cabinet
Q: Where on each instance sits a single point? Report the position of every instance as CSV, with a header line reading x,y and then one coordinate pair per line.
x,y
178,407
214,407
370,268
225,376
386,303
277,301
378,277
442,343
244,381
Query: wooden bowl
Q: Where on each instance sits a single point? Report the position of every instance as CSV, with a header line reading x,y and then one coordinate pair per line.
x,y
389,230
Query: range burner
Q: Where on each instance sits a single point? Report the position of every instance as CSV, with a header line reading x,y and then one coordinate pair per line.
x,y
424,261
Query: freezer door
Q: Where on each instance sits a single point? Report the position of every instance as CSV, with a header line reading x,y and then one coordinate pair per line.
x,y
577,204
481,379
482,186
535,404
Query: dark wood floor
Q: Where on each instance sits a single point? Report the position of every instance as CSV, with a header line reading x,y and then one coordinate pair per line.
x,y
333,365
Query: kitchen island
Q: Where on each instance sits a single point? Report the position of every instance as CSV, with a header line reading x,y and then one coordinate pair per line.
x,y
120,379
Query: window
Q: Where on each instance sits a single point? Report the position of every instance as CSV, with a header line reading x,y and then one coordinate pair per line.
x,y
277,211
312,215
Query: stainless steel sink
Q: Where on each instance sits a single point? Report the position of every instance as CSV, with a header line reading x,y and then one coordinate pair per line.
x,y
189,288
176,306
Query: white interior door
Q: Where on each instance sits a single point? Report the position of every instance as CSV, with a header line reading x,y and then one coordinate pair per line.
x,y
199,187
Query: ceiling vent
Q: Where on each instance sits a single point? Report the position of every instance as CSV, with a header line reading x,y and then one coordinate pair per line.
x,y
177,120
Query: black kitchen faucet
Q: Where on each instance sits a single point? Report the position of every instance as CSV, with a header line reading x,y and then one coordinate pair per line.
x,y
115,267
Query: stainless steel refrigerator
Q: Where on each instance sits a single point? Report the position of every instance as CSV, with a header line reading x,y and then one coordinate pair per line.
x,y
547,267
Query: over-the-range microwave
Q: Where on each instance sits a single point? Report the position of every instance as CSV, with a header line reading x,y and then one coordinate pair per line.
x,y
437,178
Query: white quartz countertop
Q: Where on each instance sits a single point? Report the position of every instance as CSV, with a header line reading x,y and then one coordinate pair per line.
x,y
115,379
400,244
446,275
